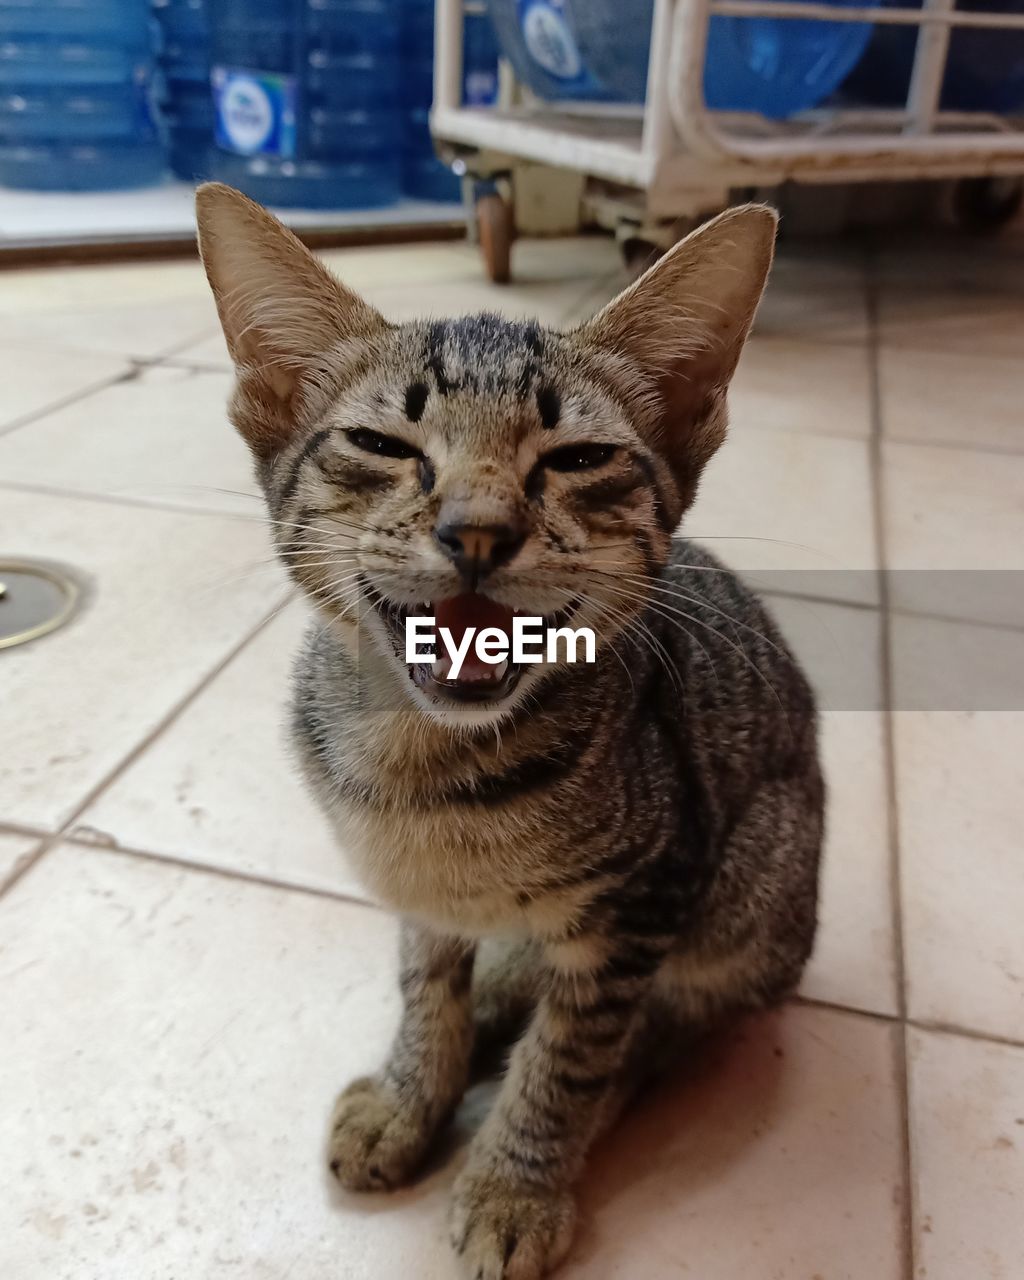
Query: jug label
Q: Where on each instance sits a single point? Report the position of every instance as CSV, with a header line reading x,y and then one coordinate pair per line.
x,y
255,111
550,42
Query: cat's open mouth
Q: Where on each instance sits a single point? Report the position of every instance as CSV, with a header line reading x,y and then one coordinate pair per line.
x,y
458,670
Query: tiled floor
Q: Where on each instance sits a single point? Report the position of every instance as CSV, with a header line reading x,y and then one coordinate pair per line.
x,y
189,971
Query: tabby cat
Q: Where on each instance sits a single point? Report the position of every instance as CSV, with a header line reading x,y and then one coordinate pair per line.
x,y
643,832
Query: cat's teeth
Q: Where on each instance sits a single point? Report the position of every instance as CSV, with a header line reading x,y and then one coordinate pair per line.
x,y
501,669
440,668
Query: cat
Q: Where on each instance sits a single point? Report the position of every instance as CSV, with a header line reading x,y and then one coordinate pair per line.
x,y
643,831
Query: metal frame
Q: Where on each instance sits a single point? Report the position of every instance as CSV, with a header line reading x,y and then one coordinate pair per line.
x,y
676,151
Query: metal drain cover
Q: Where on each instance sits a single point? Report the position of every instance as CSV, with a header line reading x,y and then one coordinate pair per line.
x,y
35,598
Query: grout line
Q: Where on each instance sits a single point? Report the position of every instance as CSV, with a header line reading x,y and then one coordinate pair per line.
x,y
185,863
144,743
908,1205
964,1033
127,375
26,864
146,504
24,830
197,366
956,446
931,1025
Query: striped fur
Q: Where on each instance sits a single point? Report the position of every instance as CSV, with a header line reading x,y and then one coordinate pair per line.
x,y
643,833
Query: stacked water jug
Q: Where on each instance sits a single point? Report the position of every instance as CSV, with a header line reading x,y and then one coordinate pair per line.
x,y
325,103
306,100
76,95
423,175
777,67
186,104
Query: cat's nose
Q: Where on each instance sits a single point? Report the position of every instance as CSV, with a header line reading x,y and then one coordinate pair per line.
x,y
478,549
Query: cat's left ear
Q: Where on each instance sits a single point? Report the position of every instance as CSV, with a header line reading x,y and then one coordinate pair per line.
x,y
674,337
287,321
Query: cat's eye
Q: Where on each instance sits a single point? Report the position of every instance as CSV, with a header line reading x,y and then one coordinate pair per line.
x,y
579,457
382,445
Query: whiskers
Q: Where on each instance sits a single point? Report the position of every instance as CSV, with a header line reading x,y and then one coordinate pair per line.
x,y
636,594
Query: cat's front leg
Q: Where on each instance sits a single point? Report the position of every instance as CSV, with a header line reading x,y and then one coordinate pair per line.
x,y
514,1206
383,1125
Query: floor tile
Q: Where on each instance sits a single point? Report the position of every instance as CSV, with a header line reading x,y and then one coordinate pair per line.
x,y
33,381
548,301
207,351
779,1157
14,852
187,1035
394,265
970,398
954,302
139,329
840,650
795,384
960,777
50,289
839,647
953,298
167,597
136,309
534,260
956,666
854,962
967,1136
929,319
794,507
814,296
952,509
956,263
161,437
207,1150
220,786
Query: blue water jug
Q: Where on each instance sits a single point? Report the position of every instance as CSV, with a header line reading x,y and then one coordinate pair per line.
x,y
984,69
423,175
600,49
76,81
186,101
306,101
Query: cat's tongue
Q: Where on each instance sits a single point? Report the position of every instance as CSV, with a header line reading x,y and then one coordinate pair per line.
x,y
458,614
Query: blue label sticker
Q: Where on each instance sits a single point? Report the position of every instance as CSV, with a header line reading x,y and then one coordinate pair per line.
x,y
550,42
480,88
255,111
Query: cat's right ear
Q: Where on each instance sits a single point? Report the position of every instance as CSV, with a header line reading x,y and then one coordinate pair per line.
x,y
287,321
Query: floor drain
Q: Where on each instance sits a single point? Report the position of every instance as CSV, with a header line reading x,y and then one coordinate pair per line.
x,y
34,600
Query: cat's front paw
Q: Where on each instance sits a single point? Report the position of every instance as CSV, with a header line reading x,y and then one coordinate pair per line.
x,y
376,1141
507,1230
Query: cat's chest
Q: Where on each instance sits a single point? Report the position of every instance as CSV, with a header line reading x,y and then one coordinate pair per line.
x,y
475,872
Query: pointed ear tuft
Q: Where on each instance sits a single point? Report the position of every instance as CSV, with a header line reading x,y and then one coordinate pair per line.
x,y
285,317
675,335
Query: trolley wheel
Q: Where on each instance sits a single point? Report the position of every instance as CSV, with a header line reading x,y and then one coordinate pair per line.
x,y
494,225
986,204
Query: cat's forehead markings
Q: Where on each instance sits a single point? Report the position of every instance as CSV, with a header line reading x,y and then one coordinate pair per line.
x,y
549,406
416,394
485,355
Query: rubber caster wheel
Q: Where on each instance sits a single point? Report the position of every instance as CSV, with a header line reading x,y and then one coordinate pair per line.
x,y
494,226
983,205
